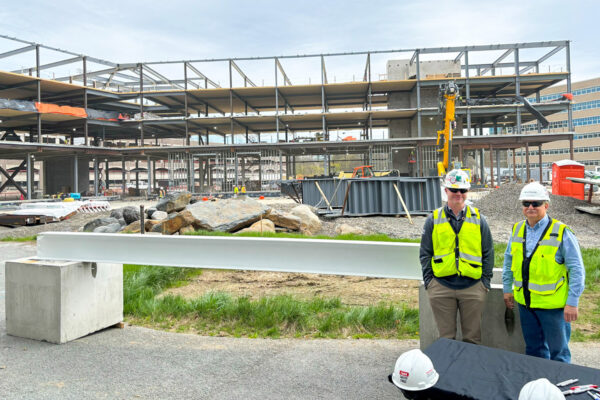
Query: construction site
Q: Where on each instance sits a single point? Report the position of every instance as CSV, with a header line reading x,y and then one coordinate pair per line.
x,y
337,145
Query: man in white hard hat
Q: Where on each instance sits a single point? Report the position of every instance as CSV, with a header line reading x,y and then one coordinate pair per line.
x,y
543,271
540,389
457,257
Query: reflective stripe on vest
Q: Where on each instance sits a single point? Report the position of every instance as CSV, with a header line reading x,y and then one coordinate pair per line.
x,y
548,284
445,261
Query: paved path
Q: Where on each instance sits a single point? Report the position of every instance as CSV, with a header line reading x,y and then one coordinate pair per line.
x,y
139,363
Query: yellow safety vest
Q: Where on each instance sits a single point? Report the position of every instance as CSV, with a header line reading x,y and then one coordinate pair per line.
x,y
468,241
548,282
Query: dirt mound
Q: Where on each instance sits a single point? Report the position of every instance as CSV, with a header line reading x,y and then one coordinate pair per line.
x,y
503,204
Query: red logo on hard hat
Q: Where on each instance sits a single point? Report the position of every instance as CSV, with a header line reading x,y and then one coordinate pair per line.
x,y
403,373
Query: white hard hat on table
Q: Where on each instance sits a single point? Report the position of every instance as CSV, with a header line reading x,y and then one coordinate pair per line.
x,y
414,371
540,389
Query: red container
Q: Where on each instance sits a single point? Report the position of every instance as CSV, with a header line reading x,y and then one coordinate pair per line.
x,y
561,170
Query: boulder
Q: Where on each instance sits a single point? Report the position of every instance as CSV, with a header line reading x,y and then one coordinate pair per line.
x,y
174,202
345,229
285,220
159,215
228,215
186,229
265,225
131,214
133,227
149,224
310,223
98,222
122,221
171,225
110,228
118,213
150,211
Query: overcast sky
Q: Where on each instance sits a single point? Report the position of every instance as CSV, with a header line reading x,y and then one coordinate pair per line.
x,y
131,31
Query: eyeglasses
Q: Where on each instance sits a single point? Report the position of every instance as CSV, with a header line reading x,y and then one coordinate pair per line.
x,y
526,204
463,191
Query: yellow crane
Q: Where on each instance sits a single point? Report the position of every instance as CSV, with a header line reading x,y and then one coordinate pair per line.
x,y
448,94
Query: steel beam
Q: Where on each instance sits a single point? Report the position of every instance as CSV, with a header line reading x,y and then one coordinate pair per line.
x,y
337,257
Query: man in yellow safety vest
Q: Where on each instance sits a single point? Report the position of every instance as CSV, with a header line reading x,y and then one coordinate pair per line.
x,y
543,271
457,258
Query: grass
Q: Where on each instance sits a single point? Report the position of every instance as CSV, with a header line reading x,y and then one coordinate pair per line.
x,y
273,316
220,314
19,239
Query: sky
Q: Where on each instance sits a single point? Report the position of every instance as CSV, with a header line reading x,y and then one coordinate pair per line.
x,y
133,31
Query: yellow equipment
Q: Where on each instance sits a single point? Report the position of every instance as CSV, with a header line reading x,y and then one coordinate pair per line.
x,y
448,93
364,171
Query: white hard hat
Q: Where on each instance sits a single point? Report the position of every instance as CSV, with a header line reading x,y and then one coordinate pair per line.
x,y
540,389
534,191
414,371
457,179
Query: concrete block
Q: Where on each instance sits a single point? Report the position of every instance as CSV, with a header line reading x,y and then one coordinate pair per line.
x,y
59,301
500,328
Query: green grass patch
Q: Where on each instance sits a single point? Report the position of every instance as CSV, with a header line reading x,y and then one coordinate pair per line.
x,y
369,238
19,239
274,317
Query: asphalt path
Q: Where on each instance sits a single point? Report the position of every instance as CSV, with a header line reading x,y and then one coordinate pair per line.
x,y
139,363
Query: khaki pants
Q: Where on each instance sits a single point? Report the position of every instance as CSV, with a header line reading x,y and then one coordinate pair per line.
x,y
446,302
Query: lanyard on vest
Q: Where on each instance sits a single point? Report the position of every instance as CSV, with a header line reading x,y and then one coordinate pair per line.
x,y
527,261
456,230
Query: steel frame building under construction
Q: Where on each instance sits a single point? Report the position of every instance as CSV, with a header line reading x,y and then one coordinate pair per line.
x,y
155,123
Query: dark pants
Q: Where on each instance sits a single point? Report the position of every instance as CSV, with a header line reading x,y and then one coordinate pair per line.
x,y
546,333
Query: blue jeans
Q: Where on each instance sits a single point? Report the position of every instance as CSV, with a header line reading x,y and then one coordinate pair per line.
x,y
546,333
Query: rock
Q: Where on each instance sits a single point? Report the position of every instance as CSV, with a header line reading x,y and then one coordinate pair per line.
x,y
174,202
150,211
228,215
345,229
110,228
122,222
131,214
117,214
92,225
310,223
149,224
265,225
171,225
186,229
133,227
285,220
159,215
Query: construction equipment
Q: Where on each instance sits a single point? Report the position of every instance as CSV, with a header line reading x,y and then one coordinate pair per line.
x,y
366,171
449,94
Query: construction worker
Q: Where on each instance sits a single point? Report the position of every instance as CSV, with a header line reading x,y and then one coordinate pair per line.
x,y
235,191
544,273
161,192
243,189
457,257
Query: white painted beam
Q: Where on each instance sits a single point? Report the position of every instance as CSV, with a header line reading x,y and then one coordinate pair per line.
x,y
338,257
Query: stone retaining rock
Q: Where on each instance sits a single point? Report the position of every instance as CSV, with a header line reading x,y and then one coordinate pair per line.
x,y
310,223
285,220
228,215
265,225
98,222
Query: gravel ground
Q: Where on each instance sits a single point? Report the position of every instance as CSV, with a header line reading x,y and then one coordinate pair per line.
x,y
500,207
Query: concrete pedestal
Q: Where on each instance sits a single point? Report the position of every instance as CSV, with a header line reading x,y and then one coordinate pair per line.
x,y
59,301
499,329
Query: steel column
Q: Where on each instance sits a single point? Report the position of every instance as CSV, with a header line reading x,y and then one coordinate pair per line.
x,y
29,173
517,89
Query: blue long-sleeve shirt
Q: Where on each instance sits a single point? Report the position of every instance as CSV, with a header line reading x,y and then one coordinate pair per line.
x,y
568,253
